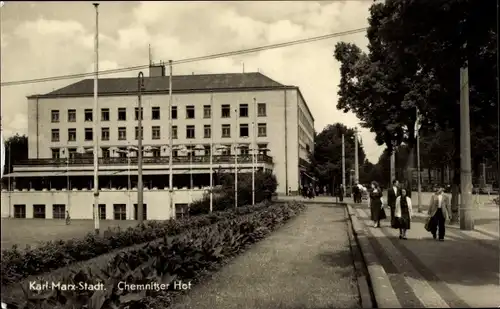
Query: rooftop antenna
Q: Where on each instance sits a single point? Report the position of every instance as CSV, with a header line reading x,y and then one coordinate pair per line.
x,y
150,56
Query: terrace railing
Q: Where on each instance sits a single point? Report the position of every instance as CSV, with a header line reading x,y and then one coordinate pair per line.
x,y
163,160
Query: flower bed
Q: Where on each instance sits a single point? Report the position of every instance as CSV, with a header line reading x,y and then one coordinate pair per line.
x,y
18,264
184,258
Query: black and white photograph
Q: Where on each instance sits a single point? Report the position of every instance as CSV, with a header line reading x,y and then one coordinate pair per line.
x,y
250,154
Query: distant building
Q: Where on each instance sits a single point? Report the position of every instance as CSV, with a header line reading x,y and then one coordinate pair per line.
x,y
61,138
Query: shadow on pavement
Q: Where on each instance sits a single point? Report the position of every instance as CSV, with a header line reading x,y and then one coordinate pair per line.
x,y
341,260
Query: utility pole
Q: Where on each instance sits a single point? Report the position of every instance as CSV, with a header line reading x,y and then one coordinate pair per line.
x,y
140,187
356,163
419,184
254,147
343,164
465,214
211,152
236,160
96,123
170,143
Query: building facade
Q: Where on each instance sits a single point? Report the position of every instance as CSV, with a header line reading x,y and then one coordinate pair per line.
x,y
225,115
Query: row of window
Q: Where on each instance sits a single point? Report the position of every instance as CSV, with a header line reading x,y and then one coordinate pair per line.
x,y
123,151
119,211
303,119
156,115
156,132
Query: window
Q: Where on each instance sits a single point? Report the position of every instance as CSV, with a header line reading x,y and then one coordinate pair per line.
x,y
55,115
120,211
71,115
88,134
144,212
105,134
261,109
175,153
71,135
104,114
156,153
207,131
174,112
155,113
190,132
123,153
244,130
137,113
262,130
244,150
207,111
122,114
88,115
174,132
226,151
20,211
226,111
155,132
58,211
105,152
55,135
72,153
122,133
137,133
190,112
55,153
226,130
243,110
207,150
39,211
102,211
181,210
263,149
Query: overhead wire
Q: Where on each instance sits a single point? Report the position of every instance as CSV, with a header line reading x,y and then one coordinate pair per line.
x,y
188,60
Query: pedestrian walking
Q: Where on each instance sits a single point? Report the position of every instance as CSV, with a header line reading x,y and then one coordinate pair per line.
x,y
68,218
376,204
392,195
403,212
341,192
355,193
439,212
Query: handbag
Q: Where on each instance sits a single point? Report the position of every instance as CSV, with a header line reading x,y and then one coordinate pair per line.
x,y
427,225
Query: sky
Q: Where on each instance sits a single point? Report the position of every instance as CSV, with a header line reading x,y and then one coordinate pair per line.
x,y
44,39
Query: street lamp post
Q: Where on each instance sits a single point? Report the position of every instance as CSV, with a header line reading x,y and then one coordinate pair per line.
x,y
140,192
254,147
96,123
170,143
211,153
356,163
236,161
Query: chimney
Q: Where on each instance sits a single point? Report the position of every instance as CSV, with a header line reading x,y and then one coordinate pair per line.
x,y
156,70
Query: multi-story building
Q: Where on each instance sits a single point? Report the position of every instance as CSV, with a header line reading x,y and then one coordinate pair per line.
x,y
235,113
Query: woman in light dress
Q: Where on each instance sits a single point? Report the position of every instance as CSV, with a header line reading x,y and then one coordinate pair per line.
x,y
403,212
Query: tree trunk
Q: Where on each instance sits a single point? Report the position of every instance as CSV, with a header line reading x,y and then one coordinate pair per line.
x,y
409,170
429,174
443,170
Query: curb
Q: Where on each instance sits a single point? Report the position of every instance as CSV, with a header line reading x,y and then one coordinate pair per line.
x,y
377,279
365,291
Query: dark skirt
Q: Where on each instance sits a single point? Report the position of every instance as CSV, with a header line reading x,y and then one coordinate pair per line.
x,y
377,213
403,222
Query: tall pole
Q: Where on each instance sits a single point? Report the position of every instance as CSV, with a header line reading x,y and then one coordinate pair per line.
x,y
393,162
211,152
191,152
140,187
96,124
170,143
419,180
343,164
254,147
466,215
356,163
236,160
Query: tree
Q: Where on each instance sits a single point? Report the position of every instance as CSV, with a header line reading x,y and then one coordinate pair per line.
x,y
16,149
326,160
414,62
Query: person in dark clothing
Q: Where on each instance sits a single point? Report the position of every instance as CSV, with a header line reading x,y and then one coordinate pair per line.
x,y
341,192
402,213
439,212
356,193
377,213
392,195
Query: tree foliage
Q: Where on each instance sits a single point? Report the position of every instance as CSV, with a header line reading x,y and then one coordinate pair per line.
x,y
326,160
16,149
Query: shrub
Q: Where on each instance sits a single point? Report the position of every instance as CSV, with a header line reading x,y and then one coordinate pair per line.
x,y
17,264
183,258
223,194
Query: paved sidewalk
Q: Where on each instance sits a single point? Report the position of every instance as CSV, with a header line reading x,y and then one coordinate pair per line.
x,y
305,264
462,271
